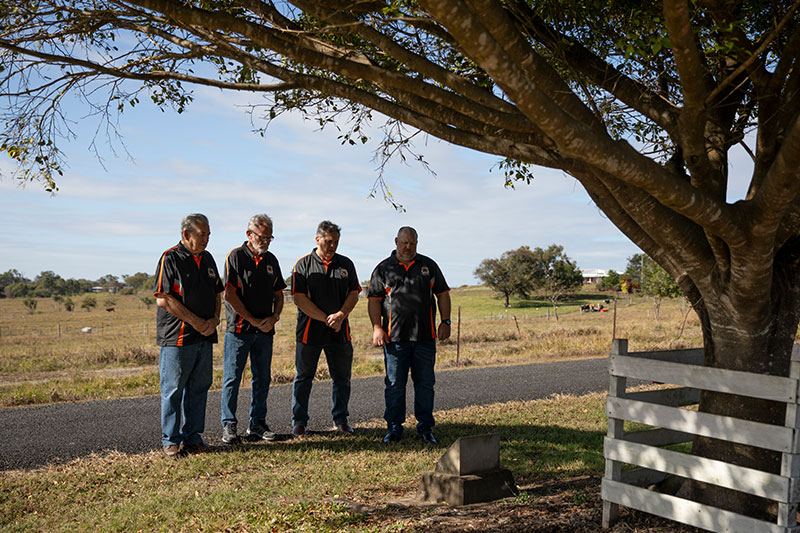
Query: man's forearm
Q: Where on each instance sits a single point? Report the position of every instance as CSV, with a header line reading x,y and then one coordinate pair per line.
x,y
349,303
236,303
443,300
278,305
374,310
304,303
174,307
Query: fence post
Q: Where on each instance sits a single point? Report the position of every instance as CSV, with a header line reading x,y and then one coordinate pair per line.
x,y
790,462
614,329
458,337
616,388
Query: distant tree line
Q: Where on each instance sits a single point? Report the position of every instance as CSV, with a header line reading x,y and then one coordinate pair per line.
x,y
49,284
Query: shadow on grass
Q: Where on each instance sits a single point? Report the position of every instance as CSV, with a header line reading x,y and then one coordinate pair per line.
x,y
530,451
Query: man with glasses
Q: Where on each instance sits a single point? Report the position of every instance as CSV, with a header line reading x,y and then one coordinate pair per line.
x,y
404,291
253,304
325,289
187,291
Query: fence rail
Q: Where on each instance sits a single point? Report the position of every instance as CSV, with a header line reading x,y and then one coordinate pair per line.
x,y
662,410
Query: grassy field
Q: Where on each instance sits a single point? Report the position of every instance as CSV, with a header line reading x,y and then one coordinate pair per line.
x,y
44,356
324,482
334,483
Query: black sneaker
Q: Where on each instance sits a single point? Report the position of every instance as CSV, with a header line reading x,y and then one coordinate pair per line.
x,y
229,435
198,447
427,437
392,436
260,430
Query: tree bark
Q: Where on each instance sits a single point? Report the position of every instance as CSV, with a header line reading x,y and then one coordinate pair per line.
x,y
736,340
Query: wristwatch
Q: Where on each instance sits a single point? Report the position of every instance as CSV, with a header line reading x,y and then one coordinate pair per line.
x,y
446,321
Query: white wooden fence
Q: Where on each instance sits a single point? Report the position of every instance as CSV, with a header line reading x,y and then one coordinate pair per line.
x,y
673,425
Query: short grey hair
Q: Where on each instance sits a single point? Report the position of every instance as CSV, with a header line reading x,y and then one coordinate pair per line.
x,y
408,229
260,220
326,226
190,222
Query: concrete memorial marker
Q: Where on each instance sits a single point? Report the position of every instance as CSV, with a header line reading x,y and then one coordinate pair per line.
x,y
468,472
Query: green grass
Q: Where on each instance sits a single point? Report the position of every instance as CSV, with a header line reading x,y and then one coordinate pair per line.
x,y
322,483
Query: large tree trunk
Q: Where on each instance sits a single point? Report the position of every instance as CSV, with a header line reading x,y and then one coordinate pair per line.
x,y
736,339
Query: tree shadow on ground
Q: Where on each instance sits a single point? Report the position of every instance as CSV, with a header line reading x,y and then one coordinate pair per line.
x,y
558,471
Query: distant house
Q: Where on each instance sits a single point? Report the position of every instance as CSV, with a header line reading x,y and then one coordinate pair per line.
x,y
594,275
112,289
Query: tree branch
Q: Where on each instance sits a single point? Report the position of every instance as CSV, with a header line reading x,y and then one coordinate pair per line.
x,y
694,76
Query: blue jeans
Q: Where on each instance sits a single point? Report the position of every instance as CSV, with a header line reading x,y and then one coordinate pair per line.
x,y
420,358
340,364
237,347
186,373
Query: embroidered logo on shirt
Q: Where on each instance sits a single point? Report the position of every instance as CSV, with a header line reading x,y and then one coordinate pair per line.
x,y
211,273
269,270
425,271
343,272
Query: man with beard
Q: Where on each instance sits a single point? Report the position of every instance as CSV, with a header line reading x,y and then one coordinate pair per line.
x,y
404,290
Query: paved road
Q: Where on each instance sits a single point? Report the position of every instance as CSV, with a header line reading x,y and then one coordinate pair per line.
x,y
35,436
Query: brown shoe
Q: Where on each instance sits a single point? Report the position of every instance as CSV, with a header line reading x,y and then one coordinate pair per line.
x,y
172,450
200,447
344,428
298,431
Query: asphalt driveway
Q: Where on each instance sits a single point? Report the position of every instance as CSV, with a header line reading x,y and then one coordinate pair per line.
x,y
36,436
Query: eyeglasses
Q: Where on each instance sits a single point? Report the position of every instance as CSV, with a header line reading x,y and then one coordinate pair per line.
x,y
262,238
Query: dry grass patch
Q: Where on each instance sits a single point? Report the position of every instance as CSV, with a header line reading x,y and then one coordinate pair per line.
x,y
44,357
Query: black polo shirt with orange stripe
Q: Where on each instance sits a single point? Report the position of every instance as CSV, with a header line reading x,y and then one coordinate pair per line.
x,y
256,279
408,308
327,285
195,282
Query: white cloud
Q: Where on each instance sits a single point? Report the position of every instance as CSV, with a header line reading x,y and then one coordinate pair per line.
x,y
120,219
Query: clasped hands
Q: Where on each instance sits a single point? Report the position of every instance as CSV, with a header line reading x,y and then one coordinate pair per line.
x,y
335,320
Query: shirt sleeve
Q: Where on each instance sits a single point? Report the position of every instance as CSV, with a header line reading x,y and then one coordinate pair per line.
x,y
439,283
166,279
377,285
355,285
299,284
280,283
219,286
232,269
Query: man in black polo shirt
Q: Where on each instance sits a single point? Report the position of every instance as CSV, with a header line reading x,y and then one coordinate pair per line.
x,y
253,304
325,289
401,296
187,290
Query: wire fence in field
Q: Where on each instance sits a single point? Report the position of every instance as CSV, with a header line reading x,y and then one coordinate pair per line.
x,y
91,328
63,330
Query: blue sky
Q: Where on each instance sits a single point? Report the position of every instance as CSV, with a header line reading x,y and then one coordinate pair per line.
x,y
117,217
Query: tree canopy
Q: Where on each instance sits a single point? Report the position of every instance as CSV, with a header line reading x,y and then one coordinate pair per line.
x,y
555,274
523,271
509,274
653,280
641,103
